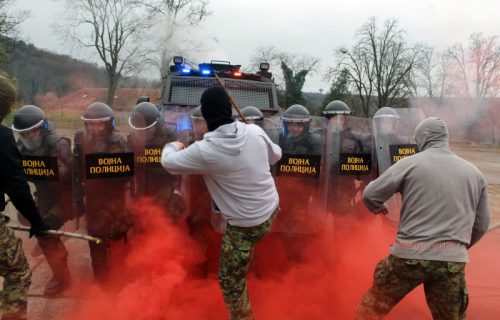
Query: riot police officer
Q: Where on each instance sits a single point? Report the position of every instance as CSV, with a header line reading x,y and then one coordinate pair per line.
x,y
297,138
38,142
147,139
298,175
345,139
385,128
393,140
103,168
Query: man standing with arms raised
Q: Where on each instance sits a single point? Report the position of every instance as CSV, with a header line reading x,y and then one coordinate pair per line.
x,y
234,159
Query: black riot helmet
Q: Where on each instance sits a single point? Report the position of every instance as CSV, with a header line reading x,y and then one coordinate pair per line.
x,y
96,113
386,120
297,113
30,125
144,116
28,118
298,116
253,115
336,107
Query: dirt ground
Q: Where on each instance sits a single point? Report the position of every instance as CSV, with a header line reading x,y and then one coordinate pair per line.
x,y
483,273
488,161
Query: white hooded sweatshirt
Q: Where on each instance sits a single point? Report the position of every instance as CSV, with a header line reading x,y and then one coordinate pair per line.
x,y
235,162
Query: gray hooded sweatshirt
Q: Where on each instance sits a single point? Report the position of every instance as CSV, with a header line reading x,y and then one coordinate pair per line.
x,y
445,201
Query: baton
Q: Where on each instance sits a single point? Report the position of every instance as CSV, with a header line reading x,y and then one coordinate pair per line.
x,y
59,233
219,80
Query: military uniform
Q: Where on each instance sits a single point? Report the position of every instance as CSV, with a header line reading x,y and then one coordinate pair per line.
x,y
236,253
394,278
16,272
105,212
54,202
298,223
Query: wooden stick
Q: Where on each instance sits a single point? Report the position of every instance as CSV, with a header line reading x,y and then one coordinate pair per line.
x,y
59,233
235,105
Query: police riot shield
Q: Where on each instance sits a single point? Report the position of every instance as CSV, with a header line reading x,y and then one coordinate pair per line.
x,y
201,210
302,196
347,162
104,170
47,163
393,131
272,128
149,134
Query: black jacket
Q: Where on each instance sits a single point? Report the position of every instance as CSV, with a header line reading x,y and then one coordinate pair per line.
x,y
13,182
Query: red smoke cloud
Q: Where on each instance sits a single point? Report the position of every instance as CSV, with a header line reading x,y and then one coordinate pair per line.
x,y
152,275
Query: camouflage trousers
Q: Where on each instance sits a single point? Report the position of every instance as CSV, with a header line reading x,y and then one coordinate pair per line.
x,y
236,254
15,270
444,286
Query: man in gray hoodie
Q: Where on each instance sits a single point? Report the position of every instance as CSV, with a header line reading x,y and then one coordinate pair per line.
x,y
445,211
234,159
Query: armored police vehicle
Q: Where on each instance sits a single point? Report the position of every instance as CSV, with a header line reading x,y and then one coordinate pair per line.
x,y
184,85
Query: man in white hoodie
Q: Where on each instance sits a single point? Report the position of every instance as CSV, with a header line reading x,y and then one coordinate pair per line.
x,y
445,211
234,159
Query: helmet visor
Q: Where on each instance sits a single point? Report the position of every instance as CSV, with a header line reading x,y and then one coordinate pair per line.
x,y
137,122
31,139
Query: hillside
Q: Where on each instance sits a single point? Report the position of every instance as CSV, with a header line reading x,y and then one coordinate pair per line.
x,y
41,74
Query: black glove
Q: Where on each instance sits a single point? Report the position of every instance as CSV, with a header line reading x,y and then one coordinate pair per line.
x,y
38,228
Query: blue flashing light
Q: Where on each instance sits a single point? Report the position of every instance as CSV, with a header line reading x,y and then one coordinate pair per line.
x,y
186,70
183,123
205,71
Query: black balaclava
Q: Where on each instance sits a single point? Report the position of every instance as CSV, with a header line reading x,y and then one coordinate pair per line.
x,y
216,108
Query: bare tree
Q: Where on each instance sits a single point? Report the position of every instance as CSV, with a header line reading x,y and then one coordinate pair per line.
x,y
379,63
263,54
9,21
113,29
475,69
429,77
172,17
294,64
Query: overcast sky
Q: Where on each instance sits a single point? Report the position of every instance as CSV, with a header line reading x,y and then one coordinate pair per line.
x,y
314,27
